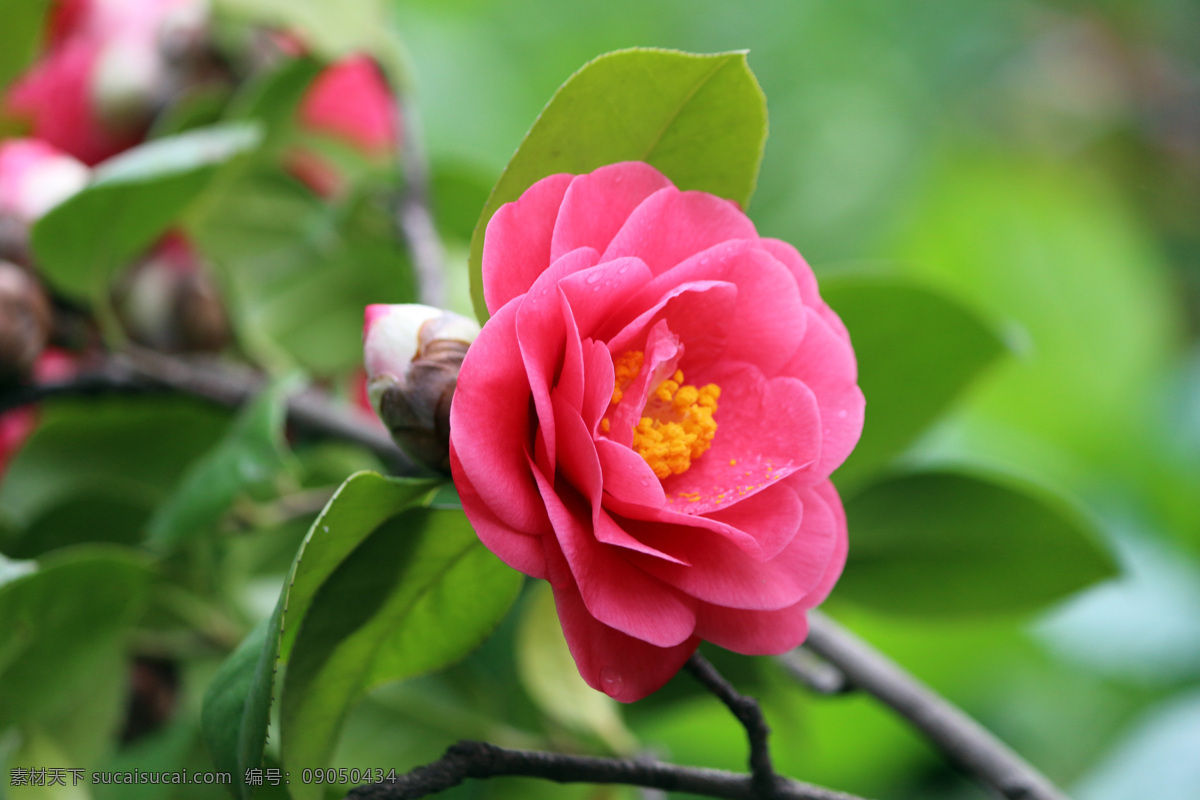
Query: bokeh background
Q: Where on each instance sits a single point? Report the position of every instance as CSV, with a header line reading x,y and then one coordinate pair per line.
x,y
1039,162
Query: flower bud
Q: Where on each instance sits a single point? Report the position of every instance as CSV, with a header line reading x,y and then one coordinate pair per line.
x,y
168,302
25,321
413,354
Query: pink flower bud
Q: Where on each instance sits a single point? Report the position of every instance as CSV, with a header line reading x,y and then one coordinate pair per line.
x,y
413,354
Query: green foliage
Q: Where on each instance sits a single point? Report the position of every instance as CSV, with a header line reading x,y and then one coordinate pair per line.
x,y
48,489
949,543
331,29
132,199
917,350
237,703
251,453
59,617
700,119
299,270
420,593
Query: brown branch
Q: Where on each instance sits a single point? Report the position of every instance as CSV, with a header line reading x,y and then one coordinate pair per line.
x,y
481,760
748,712
413,215
137,371
961,739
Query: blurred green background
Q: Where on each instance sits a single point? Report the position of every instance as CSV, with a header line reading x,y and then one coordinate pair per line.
x,y
1041,163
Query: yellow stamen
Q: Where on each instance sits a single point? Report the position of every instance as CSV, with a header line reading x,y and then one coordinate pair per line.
x,y
679,426
627,367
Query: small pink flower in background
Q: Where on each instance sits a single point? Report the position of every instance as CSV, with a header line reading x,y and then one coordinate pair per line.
x,y
104,72
649,421
350,102
35,177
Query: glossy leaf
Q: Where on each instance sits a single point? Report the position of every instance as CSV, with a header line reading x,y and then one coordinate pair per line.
x,y
251,454
132,199
58,619
237,704
416,596
700,119
949,543
917,351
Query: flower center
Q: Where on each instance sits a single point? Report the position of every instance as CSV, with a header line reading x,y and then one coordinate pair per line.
x,y
677,425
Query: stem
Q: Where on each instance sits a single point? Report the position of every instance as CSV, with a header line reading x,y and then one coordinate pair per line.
x,y
137,371
961,739
748,712
412,212
481,760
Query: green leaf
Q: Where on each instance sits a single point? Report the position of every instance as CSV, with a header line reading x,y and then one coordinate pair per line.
x,y
917,351
299,270
238,702
552,681
700,119
126,460
416,596
949,543
272,99
130,202
250,455
90,515
57,620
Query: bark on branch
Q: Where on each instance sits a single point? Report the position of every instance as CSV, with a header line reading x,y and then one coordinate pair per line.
x,y
480,760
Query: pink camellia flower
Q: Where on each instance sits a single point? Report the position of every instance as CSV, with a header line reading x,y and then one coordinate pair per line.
x,y
104,73
649,421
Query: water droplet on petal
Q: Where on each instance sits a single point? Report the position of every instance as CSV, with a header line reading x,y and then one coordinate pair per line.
x,y
593,277
611,681
842,414
623,269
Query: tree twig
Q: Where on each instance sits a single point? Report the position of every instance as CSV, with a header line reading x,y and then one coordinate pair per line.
x,y
138,371
806,667
961,739
748,712
413,214
481,760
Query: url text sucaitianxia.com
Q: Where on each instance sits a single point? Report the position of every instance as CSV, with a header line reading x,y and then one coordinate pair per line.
x,y
59,776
